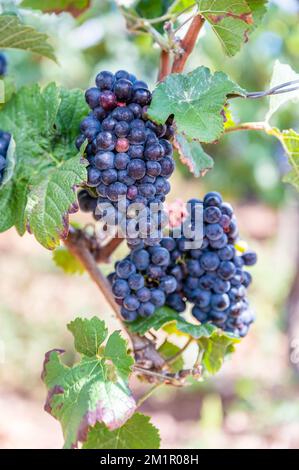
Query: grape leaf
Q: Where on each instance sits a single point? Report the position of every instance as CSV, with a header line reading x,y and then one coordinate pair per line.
x,y
232,22
136,433
44,124
168,350
65,260
290,142
165,315
193,155
179,6
116,351
75,7
15,35
6,209
7,90
152,8
89,334
50,202
215,349
196,99
281,73
90,391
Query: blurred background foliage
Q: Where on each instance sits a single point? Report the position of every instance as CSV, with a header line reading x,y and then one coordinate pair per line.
x,y
253,402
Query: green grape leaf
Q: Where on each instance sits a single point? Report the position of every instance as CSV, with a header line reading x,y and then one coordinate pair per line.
x,y
88,335
136,433
152,8
232,22
50,202
65,260
215,349
90,391
48,168
180,5
196,99
7,216
116,351
282,73
75,7
15,35
7,90
290,142
168,350
193,155
166,315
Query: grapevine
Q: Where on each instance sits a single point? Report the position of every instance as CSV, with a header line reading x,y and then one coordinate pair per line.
x,y
110,152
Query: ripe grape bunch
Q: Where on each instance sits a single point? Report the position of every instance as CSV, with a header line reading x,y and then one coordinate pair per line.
x,y
130,157
211,277
4,143
3,65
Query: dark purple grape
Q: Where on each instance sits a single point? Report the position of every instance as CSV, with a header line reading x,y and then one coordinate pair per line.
x,y
249,258
120,288
116,190
136,169
104,160
122,129
92,97
93,176
143,294
153,168
105,80
105,141
121,161
123,89
109,176
136,151
167,166
142,96
146,309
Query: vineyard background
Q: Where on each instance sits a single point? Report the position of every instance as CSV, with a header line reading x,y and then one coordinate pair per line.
x,y
253,401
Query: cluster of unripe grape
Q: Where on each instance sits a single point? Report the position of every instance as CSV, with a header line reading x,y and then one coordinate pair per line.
x,y
130,157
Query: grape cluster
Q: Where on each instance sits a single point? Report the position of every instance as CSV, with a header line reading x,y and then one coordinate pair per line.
x,y
130,157
4,143
140,283
3,64
212,277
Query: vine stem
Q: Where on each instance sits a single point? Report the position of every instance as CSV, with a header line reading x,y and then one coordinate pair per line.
x,y
188,44
147,394
76,243
164,68
247,126
172,359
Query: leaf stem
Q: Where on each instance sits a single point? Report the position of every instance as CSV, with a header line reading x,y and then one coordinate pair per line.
x,y
147,394
172,359
249,126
